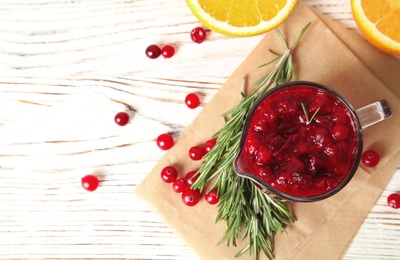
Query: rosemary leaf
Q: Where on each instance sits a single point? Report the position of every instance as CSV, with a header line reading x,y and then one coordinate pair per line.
x,y
249,213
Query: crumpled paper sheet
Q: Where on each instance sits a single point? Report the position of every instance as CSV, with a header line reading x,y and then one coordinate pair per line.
x,y
328,54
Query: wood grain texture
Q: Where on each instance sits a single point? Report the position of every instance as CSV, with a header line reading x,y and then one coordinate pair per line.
x,y
66,68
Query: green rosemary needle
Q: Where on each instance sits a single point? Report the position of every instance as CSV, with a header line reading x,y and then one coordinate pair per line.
x,y
249,213
308,119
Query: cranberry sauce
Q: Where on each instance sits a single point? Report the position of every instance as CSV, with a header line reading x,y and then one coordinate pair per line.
x,y
302,140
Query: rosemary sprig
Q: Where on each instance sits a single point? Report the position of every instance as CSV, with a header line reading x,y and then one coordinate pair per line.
x,y
308,119
248,212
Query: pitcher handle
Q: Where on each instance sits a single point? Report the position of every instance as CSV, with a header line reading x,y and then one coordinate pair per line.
x,y
374,113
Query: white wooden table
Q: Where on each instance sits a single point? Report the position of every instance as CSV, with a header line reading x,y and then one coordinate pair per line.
x,y
66,68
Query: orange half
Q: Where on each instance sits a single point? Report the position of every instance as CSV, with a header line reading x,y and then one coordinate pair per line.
x,y
241,17
379,22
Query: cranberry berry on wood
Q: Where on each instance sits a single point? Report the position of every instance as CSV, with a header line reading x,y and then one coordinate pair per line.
x,y
165,141
90,182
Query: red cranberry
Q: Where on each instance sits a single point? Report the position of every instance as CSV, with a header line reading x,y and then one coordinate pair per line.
x,y
322,104
90,182
192,100
212,197
263,155
190,197
340,132
153,51
394,200
331,150
370,158
121,118
261,126
326,183
198,34
284,107
340,117
168,51
179,185
169,174
196,153
314,164
321,137
165,141
209,144
189,179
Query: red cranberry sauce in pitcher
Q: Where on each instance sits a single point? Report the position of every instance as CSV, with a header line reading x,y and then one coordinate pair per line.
x,y
302,140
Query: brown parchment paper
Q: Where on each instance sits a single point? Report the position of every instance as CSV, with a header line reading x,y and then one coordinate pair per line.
x,y
328,54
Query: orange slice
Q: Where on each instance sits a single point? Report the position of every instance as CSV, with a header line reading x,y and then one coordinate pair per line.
x,y
379,22
241,17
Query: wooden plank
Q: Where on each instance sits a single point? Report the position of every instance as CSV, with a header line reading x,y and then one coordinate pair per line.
x,y
66,68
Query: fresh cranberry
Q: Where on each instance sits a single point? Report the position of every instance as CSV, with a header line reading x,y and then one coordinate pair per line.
x,y
212,197
90,182
168,51
190,197
394,200
196,153
153,51
198,34
165,141
179,185
209,145
169,174
121,118
190,178
370,158
192,100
